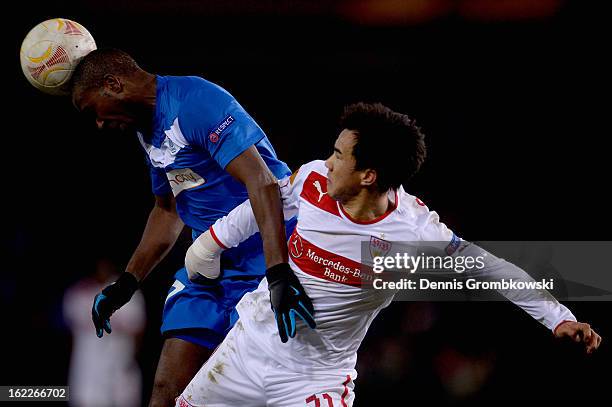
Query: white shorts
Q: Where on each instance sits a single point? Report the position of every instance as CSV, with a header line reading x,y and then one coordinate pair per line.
x,y
240,374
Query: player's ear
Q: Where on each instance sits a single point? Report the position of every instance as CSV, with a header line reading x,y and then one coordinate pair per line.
x,y
112,83
368,177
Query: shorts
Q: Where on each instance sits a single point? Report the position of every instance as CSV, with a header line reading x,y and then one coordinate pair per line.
x,y
240,374
204,314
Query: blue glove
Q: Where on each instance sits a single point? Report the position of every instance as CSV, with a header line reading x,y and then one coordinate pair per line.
x,y
110,300
288,299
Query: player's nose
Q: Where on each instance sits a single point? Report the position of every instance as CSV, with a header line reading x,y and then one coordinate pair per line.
x,y
328,163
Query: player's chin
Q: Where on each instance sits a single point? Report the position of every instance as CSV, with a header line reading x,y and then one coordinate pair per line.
x,y
332,193
330,187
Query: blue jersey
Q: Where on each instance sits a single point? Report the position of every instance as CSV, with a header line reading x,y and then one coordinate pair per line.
x,y
198,129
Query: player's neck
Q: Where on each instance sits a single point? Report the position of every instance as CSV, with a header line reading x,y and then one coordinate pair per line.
x,y
143,98
145,89
367,205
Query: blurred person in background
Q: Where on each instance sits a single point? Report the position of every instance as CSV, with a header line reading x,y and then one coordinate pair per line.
x,y
103,372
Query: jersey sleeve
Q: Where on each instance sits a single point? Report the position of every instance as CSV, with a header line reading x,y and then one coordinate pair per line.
x,y
437,233
216,122
540,304
290,188
240,223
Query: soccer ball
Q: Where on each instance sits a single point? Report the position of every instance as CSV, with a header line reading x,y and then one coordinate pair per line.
x,y
51,51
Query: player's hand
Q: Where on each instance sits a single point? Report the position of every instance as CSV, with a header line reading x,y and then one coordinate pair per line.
x,y
579,332
203,259
288,299
110,300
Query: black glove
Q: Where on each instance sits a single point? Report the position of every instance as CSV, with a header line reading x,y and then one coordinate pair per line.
x,y
110,300
288,299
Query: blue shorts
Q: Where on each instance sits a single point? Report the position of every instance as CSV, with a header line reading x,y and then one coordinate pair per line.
x,y
204,313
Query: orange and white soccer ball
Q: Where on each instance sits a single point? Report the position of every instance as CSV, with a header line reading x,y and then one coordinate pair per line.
x,y
51,51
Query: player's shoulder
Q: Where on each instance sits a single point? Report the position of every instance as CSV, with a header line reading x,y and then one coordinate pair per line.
x,y
317,166
410,203
195,88
197,102
423,220
313,168
413,208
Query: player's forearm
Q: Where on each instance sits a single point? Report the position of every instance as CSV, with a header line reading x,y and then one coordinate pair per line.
x,y
540,304
161,232
267,208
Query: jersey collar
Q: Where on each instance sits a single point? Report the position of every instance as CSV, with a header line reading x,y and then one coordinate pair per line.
x,y
394,197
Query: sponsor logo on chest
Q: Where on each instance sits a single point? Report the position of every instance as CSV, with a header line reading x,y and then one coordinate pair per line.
x,y
182,179
326,265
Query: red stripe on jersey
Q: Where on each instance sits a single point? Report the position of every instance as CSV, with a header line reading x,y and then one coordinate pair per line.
x,y
321,263
346,390
216,239
314,191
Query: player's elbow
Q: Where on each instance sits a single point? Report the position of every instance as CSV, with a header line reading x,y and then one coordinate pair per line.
x,y
165,203
265,183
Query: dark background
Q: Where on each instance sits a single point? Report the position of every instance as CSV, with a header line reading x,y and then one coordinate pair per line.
x,y
513,98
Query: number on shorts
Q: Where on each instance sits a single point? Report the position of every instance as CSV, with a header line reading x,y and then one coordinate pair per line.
x,y
177,286
317,401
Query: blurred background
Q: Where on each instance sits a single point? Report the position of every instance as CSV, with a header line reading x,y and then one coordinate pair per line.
x,y
511,94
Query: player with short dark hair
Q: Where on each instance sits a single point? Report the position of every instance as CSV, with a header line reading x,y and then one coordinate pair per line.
x,y
383,137
90,73
206,155
342,203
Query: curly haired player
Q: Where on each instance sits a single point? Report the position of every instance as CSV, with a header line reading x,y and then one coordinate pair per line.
x,y
355,196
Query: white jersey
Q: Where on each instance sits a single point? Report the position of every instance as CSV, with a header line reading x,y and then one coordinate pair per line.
x,y
326,254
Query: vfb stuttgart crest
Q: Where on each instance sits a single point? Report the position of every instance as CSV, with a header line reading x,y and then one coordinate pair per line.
x,y
296,247
379,247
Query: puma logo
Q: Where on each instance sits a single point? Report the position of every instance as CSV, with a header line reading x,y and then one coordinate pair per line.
x,y
317,185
